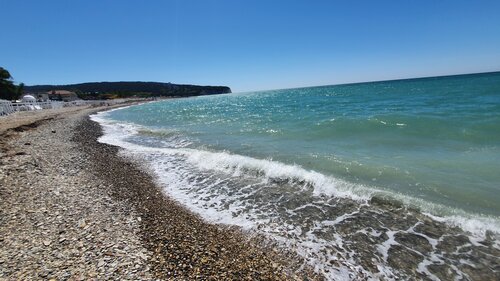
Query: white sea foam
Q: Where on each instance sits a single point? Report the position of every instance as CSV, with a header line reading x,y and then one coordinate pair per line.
x,y
241,165
478,226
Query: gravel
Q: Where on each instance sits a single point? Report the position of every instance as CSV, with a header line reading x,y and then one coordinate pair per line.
x,y
57,220
72,209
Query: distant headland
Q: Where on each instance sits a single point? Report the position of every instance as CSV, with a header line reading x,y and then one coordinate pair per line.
x,y
100,90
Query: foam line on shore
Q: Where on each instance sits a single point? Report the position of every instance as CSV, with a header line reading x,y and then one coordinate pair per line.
x,y
315,215
268,170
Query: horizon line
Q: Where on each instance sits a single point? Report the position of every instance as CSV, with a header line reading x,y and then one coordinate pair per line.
x,y
376,81
277,89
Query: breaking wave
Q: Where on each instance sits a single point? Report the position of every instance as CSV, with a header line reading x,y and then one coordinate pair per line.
x,y
344,230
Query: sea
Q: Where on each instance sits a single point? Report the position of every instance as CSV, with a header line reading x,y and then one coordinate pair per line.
x,y
382,180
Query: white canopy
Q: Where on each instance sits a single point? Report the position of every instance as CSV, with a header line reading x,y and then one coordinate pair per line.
x,y
29,98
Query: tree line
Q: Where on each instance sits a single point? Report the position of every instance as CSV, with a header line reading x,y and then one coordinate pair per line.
x,y
8,90
109,90
104,90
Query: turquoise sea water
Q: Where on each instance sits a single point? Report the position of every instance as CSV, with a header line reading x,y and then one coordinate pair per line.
x,y
432,143
437,139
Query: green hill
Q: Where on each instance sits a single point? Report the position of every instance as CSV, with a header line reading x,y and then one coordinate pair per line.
x,y
97,90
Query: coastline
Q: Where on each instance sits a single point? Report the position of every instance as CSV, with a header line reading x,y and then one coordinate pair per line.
x,y
73,208
382,237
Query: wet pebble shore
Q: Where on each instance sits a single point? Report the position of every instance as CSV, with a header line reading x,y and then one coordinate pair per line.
x,y
57,221
73,209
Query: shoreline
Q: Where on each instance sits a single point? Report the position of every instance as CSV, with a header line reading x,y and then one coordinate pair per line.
x,y
171,241
339,237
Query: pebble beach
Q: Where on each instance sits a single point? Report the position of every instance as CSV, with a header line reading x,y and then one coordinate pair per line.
x,y
73,209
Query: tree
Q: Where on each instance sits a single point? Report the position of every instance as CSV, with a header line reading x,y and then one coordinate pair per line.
x,y
19,90
8,90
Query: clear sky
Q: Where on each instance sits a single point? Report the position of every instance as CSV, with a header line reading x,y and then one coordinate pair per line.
x,y
247,45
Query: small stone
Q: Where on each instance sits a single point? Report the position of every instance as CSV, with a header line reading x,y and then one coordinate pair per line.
x,y
46,242
82,223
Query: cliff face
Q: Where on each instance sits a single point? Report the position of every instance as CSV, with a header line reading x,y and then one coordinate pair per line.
x,y
124,89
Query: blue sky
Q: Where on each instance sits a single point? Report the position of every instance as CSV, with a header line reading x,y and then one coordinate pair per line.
x,y
247,45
